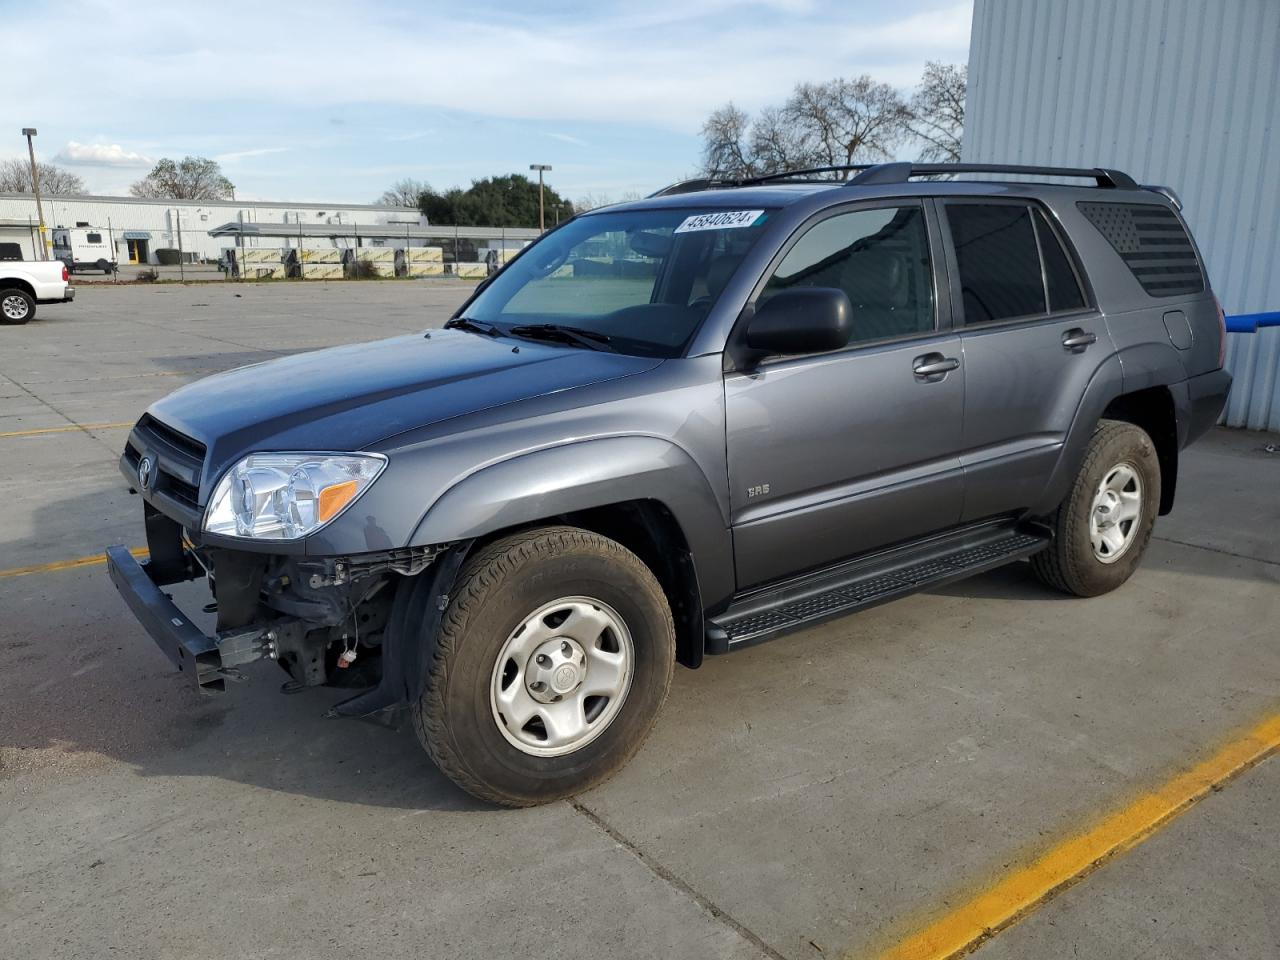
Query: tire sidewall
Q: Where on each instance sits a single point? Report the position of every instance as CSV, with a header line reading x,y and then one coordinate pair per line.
x,y
30,302
470,725
1128,445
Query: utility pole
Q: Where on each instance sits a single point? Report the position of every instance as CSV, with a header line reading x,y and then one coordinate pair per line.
x,y
541,168
30,132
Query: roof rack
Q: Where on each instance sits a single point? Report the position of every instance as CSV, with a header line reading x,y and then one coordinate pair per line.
x,y
788,174
872,174
691,186
902,172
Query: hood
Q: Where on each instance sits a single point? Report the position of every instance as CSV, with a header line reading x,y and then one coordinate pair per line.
x,y
349,398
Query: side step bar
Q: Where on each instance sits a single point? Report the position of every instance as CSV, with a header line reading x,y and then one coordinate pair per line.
x,y
856,585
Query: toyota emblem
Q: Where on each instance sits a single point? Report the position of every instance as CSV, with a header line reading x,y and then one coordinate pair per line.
x,y
145,466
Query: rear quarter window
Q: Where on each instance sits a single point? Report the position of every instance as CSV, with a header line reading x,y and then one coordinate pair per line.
x,y
1153,244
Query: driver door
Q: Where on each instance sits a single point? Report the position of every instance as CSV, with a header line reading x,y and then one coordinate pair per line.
x,y
836,454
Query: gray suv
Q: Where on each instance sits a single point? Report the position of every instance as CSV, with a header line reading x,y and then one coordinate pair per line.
x,y
679,427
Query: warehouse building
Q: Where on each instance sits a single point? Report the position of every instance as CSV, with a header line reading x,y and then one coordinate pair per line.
x,y
1176,92
139,227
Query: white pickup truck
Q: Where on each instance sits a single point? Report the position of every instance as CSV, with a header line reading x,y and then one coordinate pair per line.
x,y
25,283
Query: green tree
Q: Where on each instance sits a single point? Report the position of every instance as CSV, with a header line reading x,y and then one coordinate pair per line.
x,y
191,178
510,201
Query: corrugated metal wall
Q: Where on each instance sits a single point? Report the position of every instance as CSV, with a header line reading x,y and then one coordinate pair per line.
x,y
1177,92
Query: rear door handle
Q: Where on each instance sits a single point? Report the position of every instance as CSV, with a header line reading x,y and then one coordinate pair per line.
x,y
933,366
1077,339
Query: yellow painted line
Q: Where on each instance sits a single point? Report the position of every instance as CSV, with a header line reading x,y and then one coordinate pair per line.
x,y
1018,894
64,564
74,428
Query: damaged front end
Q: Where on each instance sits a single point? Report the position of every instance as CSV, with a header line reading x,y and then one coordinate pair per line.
x,y
359,622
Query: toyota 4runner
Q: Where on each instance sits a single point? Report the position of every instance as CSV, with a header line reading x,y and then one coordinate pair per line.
x,y
678,427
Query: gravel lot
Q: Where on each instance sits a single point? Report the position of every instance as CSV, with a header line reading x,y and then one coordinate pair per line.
x,y
819,796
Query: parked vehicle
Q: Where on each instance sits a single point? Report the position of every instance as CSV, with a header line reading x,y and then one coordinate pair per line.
x,y
677,427
84,248
25,283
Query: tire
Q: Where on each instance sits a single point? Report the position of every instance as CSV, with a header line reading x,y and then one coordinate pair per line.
x,y
500,605
1088,561
104,266
16,306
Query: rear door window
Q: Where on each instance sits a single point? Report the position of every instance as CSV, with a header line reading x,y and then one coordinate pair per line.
x,y
998,261
1060,279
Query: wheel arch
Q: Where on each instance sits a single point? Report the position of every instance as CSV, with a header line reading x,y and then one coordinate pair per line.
x,y
644,492
1111,395
1152,409
16,283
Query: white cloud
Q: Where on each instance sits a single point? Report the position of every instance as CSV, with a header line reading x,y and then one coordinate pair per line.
x,y
237,155
100,155
565,138
665,63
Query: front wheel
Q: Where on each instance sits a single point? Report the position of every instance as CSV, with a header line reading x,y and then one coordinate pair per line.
x,y
1102,528
553,659
16,306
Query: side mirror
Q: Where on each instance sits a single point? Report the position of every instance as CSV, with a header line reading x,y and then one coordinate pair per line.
x,y
801,320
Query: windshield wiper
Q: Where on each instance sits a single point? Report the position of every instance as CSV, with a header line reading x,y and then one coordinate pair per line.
x,y
475,326
562,333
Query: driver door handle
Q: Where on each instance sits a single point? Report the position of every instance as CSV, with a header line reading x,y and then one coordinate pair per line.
x,y
1077,339
933,366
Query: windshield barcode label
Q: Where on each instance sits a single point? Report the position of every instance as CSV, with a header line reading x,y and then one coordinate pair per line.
x,y
724,220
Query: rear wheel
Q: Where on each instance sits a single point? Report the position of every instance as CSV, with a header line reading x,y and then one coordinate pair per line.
x,y
104,266
16,306
554,657
1102,528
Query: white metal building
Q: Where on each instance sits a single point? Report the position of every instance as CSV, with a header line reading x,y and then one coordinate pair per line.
x,y
140,227
1178,92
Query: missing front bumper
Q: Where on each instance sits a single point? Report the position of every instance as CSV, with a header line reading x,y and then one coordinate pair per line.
x,y
209,660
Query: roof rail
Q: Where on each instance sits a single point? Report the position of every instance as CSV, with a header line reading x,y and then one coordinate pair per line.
x,y
902,172
687,186
787,174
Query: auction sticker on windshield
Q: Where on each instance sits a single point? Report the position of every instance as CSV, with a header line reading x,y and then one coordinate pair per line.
x,y
722,220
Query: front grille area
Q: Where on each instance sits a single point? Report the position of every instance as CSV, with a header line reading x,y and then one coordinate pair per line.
x,y
179,460
151,429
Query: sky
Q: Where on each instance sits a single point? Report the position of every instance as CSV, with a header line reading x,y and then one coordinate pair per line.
x,y
335,101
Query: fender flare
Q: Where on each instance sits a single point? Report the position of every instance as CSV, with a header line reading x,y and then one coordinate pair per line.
x,y
583,474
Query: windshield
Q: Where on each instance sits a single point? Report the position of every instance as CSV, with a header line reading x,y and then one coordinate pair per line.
x,y
637,282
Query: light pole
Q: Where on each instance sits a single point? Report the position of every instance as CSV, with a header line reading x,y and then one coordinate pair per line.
x,y
30,132
541,168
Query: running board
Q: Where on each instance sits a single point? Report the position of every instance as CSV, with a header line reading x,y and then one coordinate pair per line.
x,y
858,584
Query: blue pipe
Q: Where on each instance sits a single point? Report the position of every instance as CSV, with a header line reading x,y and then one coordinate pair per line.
x,y
1251,322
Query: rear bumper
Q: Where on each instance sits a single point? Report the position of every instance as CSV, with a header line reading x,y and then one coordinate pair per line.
x,y
209,661
1206,398
68,295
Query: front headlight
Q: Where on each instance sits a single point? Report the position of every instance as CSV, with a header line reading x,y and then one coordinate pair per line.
x,y
284,496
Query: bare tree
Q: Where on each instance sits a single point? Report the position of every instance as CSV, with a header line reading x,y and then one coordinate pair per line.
x,y
848,120
726,151
590,201
937,110
821,124
777,144
192,178
404,193
15,177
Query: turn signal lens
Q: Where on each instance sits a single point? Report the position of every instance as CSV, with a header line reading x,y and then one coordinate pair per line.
x,y
334,498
